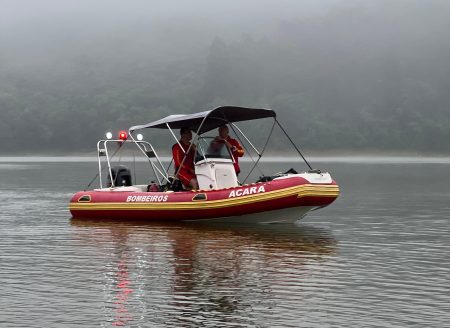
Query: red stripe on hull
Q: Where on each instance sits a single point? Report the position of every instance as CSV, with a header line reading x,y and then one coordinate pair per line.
x,y
201,209
199,214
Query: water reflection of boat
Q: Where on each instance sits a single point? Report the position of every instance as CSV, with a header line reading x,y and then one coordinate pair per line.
x,y
284,196
280,236
192,269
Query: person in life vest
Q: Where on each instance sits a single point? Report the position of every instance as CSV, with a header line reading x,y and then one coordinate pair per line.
x,y
232,144
184,169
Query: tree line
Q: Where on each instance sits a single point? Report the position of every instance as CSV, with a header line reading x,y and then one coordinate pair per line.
x,y
358,78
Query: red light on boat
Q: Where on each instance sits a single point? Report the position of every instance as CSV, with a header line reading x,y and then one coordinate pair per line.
x,y
122,135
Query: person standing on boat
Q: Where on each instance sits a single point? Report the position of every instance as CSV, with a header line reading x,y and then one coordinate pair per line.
x,y
232,144
184,167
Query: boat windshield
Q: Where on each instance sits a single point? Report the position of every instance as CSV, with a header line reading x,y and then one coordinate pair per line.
x,y
209,147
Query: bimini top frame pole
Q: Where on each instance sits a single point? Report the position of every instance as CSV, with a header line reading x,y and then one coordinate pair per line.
x,y
293,144
143,149
190,146
262,152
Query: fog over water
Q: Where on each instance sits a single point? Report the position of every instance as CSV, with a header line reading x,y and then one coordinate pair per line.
x,y
353,75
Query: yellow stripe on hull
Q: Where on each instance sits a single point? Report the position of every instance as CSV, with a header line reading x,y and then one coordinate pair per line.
x,y
306,190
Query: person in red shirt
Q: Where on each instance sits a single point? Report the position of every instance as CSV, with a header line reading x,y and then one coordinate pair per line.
x,y
232,144
185,169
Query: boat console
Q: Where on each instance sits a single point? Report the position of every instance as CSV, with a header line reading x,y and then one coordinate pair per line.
x,y
214,165
216,173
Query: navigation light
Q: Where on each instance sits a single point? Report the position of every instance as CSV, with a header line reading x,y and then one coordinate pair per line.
x,y
122,135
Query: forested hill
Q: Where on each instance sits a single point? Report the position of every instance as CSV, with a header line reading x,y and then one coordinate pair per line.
x,y
362,76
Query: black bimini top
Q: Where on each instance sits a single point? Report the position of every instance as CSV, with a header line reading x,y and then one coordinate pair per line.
x,y
211,119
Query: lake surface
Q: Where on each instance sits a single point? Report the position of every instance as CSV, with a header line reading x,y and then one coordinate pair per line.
x,y
378,257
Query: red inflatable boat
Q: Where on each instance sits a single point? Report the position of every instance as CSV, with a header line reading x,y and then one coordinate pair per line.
x,y
282,197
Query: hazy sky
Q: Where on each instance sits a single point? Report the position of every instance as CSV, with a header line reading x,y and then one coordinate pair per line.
x,y
226,14
30,28
24,9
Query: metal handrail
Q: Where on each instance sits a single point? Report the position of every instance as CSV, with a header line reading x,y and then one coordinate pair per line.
x,y
103,145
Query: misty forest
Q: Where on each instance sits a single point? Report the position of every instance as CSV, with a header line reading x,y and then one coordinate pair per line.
x,y
342,75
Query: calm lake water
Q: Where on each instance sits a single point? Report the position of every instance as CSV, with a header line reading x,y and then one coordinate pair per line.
x,y
378,257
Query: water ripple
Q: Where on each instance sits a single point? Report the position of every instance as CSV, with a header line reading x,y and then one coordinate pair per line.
x,y
376,258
